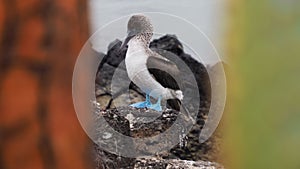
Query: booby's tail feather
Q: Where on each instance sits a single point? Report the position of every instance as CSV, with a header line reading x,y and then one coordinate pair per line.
x,y
174,94
179,95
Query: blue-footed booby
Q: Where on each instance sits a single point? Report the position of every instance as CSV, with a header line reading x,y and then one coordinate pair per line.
x,y
151,72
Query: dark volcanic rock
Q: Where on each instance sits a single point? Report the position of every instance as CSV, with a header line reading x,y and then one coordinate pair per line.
x,y
169,43
141,123
114,55
121,125
155,163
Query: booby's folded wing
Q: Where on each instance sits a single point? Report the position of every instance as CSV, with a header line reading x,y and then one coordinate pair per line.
x,y
164,71
167,74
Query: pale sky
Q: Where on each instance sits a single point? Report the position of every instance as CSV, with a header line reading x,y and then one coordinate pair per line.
x,y
208,16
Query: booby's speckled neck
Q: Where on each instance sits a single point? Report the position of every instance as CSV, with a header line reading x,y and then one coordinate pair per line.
x,y
143,38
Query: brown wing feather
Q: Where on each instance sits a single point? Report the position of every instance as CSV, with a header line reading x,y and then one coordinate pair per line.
x,y
165,72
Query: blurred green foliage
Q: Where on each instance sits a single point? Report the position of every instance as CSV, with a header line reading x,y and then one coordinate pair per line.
x,y
264,131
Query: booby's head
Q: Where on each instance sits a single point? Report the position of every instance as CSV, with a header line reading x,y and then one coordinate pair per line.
x,y
139,25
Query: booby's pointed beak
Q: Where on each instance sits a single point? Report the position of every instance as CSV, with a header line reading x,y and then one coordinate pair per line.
x,y
130,35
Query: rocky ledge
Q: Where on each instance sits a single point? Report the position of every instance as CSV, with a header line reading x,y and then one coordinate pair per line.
x,y
143,123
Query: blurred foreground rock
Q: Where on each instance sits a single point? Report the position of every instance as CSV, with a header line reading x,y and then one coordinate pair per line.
x,y
38,50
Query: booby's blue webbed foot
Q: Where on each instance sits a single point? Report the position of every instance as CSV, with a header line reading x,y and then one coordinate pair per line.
x,y
144,104
156,106
147,104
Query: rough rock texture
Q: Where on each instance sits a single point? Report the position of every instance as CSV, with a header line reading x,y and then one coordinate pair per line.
x,y
174,164
139,123
138,126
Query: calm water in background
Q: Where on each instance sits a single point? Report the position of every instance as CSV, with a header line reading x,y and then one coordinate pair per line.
x,y
207,15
